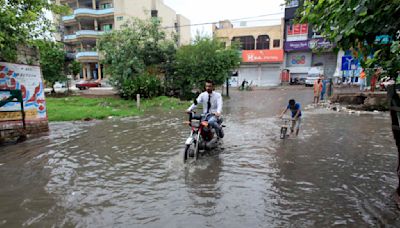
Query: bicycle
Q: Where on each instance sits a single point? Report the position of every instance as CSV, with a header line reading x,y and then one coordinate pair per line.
x,y
284,127
246,86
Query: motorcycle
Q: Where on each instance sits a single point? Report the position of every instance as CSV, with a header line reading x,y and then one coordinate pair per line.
x,y
202,136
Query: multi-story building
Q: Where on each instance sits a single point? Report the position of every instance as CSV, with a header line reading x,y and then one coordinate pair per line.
x,y
261,50
305,48
92,18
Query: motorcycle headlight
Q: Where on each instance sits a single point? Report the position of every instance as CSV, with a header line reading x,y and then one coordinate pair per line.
x,y
195,123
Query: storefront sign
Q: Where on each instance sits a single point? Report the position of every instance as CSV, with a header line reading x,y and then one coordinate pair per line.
x,y
297,46
262,56
320,43
299,59
306,45
28,79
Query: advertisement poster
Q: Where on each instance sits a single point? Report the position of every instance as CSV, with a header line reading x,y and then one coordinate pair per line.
x,y
28,79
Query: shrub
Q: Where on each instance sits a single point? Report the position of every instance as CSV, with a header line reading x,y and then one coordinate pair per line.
x,y
145,84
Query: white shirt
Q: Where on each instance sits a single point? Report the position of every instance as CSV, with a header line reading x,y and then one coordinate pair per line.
x,y
216,102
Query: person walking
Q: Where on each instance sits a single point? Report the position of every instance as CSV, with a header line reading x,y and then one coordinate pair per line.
x,y
374,79
362,80
324,82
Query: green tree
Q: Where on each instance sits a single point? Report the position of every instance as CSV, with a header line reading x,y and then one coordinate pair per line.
x,y
52,59
74,68
205,59
138,49
355,25
22,21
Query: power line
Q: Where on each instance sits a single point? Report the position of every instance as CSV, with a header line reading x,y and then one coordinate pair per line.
x,y
232,20
266,15
258,20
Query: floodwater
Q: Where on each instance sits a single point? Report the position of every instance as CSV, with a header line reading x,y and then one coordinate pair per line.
x,y
128,172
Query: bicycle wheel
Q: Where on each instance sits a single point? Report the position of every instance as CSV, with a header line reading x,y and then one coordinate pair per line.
x,y
283,132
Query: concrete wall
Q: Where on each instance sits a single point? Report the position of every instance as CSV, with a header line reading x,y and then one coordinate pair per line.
x,y
185,34
142,9
168,18
130,8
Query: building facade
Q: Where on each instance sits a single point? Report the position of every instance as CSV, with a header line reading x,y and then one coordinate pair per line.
x,y
305,48
92,18
261,50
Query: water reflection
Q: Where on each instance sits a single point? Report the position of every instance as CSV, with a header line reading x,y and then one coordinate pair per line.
x,y
201,179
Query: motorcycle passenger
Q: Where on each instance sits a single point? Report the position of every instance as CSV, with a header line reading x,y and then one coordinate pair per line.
x,y
212,103
295,114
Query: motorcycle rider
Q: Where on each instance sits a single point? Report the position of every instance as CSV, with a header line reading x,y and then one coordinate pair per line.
x,y
212,103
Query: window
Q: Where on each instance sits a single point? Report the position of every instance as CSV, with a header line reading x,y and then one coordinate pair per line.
x,y
262,42
277,43
154,13
246,42
105,6
120,18
107,27
176,27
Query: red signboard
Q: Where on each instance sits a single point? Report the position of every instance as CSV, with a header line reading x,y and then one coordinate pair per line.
x,y
304,29
297,29
262,56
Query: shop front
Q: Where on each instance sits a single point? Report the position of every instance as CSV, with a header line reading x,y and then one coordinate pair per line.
x,y
298,59
261,67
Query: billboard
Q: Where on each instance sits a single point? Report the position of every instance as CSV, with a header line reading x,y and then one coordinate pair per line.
x,y
28,79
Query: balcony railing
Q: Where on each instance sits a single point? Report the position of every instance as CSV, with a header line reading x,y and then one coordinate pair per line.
x,y
69,37
82,33
83,11
87,54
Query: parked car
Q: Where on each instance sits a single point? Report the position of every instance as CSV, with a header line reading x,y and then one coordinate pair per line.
x,y
313,74
310,80
59,85
87,84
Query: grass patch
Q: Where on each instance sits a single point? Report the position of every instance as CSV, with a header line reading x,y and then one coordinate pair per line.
x,y
79,108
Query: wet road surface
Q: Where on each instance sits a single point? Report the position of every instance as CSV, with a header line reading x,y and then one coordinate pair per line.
x,y
128,172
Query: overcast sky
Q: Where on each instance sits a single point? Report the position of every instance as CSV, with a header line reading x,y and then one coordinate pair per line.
x,y
203,11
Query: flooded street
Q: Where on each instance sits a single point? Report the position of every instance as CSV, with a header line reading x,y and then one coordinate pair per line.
x,y
129,172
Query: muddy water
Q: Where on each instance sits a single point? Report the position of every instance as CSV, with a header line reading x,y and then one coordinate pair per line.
x,y
129,172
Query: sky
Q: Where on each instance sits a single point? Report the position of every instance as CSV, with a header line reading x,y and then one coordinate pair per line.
x,y
204,11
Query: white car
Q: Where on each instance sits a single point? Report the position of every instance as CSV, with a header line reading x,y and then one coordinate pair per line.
x,y
313,75
310,80
59,85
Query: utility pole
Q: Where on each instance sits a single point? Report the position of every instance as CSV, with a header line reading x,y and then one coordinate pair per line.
x,y
227,86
